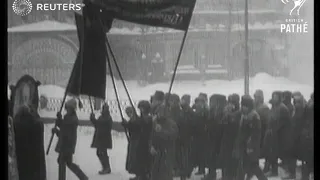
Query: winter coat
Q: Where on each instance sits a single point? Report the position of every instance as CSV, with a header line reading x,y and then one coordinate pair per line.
x,y
230,130
264,112
29,139
278,140
102,138
163,143
67,134
199,144
138,156
248,143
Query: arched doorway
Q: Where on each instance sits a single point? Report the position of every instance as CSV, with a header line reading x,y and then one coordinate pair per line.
x,y
47,59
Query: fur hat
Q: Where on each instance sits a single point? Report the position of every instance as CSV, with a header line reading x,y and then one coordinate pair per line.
x,y
175,97
286,96
186,98
71,103
259,93
158,95
144,105
234,98
276,93
247,101
203,96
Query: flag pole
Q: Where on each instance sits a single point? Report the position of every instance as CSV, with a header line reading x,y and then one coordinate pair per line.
x,y
246,63
120,75
116,93
177,63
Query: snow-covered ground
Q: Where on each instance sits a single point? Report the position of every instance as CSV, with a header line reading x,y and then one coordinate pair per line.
x,y
86,157
261,81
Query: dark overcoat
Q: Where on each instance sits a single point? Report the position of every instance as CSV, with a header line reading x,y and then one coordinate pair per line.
x,y
230,130
67,134
278,140
163,143
102,138
264,112
29,139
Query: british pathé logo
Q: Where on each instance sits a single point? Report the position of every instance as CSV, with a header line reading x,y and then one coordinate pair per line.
x,y
294,25
297,4
22,7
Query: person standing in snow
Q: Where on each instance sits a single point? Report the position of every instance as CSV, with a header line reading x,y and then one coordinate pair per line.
x,y
67,134
165,132
248,142
264,112
231,119
102,138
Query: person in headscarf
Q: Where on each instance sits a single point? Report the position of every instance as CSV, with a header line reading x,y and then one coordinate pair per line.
x,y
29,144
102,138
230,120
275,139
198,147
67,134
165,132
248,142
264,112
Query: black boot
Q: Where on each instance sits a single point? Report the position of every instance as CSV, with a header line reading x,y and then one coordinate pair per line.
x,y
106,166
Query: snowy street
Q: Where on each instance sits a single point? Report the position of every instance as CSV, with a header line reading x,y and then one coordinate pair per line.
x,y
86,157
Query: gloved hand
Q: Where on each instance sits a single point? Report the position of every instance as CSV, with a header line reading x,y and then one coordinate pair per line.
x,y
59,116
54,130
92,116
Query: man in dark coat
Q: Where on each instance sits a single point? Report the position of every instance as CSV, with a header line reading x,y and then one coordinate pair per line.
x,y
231,119
214,133
29,138
182,144
248,144
157,100
165,132
187,132
264,112
134,134
102,138
138,156
287,100
275,141
199,143
67,134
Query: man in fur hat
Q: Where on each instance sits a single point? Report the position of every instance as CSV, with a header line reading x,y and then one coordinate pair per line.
x,y
198,147
102,138
157,100
67,134
165,132
264,112
275,138
248,144
188,132
231,119
214,133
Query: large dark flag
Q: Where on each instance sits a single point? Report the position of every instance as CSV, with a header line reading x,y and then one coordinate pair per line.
x,y
88,76
174,14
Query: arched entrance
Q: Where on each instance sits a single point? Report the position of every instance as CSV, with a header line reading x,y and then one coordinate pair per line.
x,y
47,59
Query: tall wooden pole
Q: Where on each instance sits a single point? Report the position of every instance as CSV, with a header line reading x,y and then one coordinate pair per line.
x,y
246,63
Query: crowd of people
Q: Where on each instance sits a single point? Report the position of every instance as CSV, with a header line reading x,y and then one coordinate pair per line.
x,y
171,138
